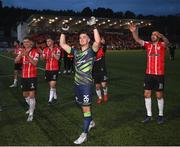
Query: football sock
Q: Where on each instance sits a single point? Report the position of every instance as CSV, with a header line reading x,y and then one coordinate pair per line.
x,y
99,93
105,90
54,93
15,81
160,106
148,106
32,106
27,100
51,94
87,120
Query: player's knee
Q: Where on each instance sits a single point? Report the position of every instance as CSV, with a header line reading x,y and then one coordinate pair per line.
x,y
147,94
159,95
98,86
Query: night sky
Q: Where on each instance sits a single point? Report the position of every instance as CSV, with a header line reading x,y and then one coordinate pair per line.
x,y
145,7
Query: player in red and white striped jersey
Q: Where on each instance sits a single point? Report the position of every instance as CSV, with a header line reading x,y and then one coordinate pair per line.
x,y
154,78
17,66
51,55
29,57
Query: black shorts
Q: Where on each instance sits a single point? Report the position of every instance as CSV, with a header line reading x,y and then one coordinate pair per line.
x,y
29,84
100,77
18,66
51,75
154,82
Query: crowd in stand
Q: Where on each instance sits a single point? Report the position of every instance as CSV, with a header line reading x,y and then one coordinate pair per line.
x,y
114,41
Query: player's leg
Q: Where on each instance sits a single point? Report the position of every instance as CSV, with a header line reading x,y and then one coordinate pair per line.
x,y
53,90
15,79
105,90
52,83
160,101
84,98
98,92
159,95
32,105
148,82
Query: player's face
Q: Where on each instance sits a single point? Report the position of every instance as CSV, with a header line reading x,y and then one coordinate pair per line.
x,y
27,43
49,42
154,37
84,39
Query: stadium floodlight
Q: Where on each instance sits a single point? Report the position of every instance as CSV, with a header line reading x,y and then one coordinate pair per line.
x,y
63,22
34,19
131,21
142,22
109,20
41,17
84,19
103,22
110,24
70,18
76,23
149,24
97,20
56,18
115,23
79,21
66,20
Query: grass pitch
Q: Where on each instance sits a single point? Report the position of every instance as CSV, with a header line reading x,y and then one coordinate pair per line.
x,y
117,123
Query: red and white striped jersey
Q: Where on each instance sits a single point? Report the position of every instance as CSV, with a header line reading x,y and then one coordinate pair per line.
x,y
51,62
28,69
155,57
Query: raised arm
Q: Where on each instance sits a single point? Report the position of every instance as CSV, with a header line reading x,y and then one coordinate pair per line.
x,y
92,22
62,39
133,29
97,41
165,40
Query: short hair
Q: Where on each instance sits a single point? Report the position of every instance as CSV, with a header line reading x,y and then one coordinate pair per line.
x,y
50,37
27,37
85,31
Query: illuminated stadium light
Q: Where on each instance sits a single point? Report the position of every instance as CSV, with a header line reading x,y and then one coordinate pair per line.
x,y
63,22
76,23
149,24
79,21
99,24
70,18
84,19
109,20
50,22
142,22
41,17
66,20
110,24
97,20
115,23
103,22
34,19
120,25
131,21
56,18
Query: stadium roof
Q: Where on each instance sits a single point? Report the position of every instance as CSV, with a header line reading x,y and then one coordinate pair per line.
x,y
54,23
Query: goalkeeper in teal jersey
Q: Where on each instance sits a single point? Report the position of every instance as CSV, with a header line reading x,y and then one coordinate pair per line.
x,y
83,63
